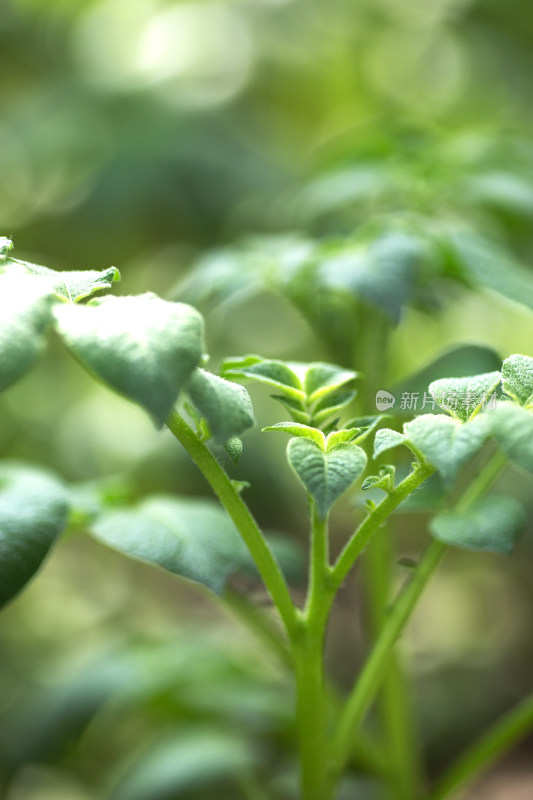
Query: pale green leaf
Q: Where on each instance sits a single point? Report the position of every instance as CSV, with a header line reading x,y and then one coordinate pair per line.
x,y
464,397
34,509
493,524
182,762
297,429
338,437
25,314
366,425
5,246
386,439
331,404
192,538
72,285
143,347
279,374
446,443
326,379
517,378
512,427
225,405
326,476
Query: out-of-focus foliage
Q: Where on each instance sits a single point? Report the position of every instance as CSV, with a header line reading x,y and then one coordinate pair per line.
x,y
216,150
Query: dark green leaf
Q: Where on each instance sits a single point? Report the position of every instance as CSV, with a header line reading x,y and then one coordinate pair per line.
x,y
493,525
225,405
380,269
143,347
33,513
192,538
326,475
233,448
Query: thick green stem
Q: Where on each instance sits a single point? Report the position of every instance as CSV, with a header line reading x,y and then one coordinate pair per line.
x,y
240,514
375,519
491,746
308,650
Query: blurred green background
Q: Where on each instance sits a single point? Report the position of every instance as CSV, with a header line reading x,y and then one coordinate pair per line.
x,y
151,135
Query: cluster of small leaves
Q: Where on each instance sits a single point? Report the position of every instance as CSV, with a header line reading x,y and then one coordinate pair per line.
x,y
311,393
449,442
145,348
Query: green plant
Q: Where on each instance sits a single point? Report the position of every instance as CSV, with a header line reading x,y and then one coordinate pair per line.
x,y
151,351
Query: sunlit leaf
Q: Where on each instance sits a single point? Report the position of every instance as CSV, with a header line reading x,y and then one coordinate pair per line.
x,y
297,429
72,285
386,439
464,397
326,475
143,347
517,378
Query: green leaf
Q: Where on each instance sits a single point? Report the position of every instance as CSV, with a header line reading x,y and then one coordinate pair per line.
x,y
25,315
297,429
279,374
338,437
380,268
457,362
517,378
225,405
446,443
493,524
331,404
512,427
326,476
72,285
233,448
33,513
486,264
174,765
464,397
310,392
143,347
192,538
366,425
323,380
386,439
